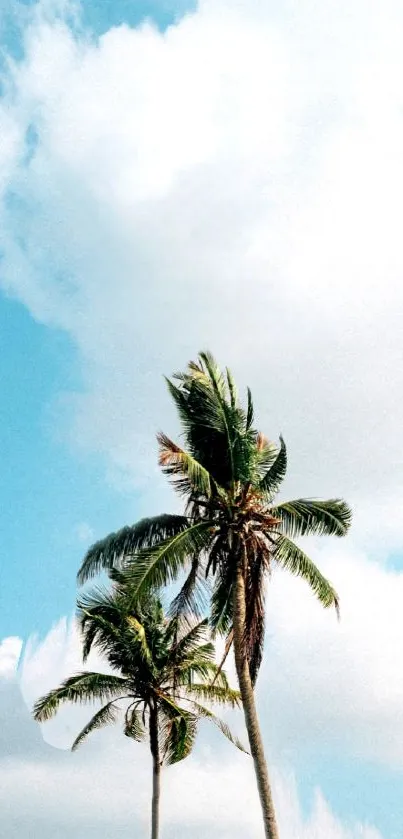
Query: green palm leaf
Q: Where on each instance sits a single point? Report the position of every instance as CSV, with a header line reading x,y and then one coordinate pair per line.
x,y
192,598
133,725
83,687
197,667
105,716
291,557
215,693
190,644
309,517
221,614
109,553
231,388
178,463
96,630
177,734
250,412
222,726
139,632
275,474
156,567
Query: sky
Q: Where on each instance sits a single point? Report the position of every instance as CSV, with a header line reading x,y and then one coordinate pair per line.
x,y
224,174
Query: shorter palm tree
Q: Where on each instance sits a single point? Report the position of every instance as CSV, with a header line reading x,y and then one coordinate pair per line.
x,y
164,669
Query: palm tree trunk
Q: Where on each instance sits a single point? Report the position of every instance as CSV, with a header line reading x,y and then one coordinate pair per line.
x,y
155,805
249,707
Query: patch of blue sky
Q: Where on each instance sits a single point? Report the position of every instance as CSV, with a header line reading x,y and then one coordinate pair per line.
x,y
101,15
356,790
97,16
395,561
45,492
48,496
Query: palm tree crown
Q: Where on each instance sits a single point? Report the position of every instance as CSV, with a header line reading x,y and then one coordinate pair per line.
x,y
163,669
228,474
159,664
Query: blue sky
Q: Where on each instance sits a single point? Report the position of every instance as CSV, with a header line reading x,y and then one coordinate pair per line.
x,y
231,179
49,492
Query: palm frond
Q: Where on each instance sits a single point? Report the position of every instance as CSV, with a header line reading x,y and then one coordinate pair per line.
x,y
215,694
198,667
177,731
134,727
109,552
222,726
158,566
220,407
105,716
190,643
231,388
258,563
222,597
181,735
228,644
80,688
310,517
192,598
250,412
96,629
214,373
293,559
266,453
176,462
140,634
276,469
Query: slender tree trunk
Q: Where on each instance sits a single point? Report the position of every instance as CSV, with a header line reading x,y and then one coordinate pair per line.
x,y
155,805
249,707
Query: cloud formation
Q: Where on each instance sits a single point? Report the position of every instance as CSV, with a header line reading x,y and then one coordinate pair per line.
x,y
233,182
337,688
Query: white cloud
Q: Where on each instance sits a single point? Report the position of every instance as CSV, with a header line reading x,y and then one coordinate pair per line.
x,y
235,182
337,689
10,650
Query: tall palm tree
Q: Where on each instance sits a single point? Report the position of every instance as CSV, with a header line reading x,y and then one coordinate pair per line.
x,y
163,668
231,532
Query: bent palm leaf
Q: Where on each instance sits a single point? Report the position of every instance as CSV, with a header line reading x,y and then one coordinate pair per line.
x,y
158,566
105,716
107,553
81,688
291,557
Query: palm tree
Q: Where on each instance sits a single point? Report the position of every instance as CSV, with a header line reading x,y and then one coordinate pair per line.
x,y
231,532
162,673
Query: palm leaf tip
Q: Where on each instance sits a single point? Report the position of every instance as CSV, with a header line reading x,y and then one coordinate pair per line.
x,y
293,559
222,726
45,707
105,716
